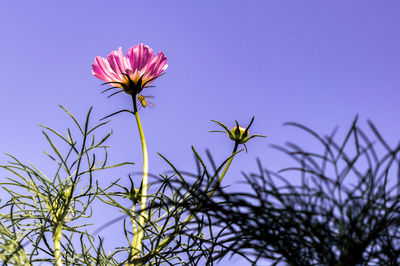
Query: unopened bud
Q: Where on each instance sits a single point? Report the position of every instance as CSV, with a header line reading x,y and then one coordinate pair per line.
x,y
239,134
67,193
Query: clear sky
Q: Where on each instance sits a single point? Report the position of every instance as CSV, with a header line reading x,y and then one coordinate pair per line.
x,y
318,63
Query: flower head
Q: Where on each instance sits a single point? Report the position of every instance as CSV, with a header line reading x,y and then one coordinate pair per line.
x,y
133,72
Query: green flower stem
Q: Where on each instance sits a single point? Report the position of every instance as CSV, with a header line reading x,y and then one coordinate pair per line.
x,y
57,244
171,237
228,164
137,240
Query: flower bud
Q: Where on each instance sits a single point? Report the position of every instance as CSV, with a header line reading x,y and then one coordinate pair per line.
x,y
135,197
66,193
239,134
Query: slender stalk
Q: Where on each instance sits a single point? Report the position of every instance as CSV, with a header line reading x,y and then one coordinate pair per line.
x,y
171,237
137,240
57,244
228,164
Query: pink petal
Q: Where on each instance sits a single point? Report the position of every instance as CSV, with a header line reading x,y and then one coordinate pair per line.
x,y
158,64
139,56
101,69
114,60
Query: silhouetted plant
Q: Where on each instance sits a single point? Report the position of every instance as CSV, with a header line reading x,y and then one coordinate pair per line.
x,y
340,206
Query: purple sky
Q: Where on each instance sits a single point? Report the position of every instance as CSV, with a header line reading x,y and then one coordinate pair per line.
x,y
318,63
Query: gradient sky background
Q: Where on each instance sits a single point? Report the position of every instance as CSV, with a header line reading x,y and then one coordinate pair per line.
x,y
318,63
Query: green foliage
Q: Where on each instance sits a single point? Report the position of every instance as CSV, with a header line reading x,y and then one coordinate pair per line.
x,y
47,216
41,202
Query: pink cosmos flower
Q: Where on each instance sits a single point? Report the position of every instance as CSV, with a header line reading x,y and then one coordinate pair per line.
x,y
132,73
